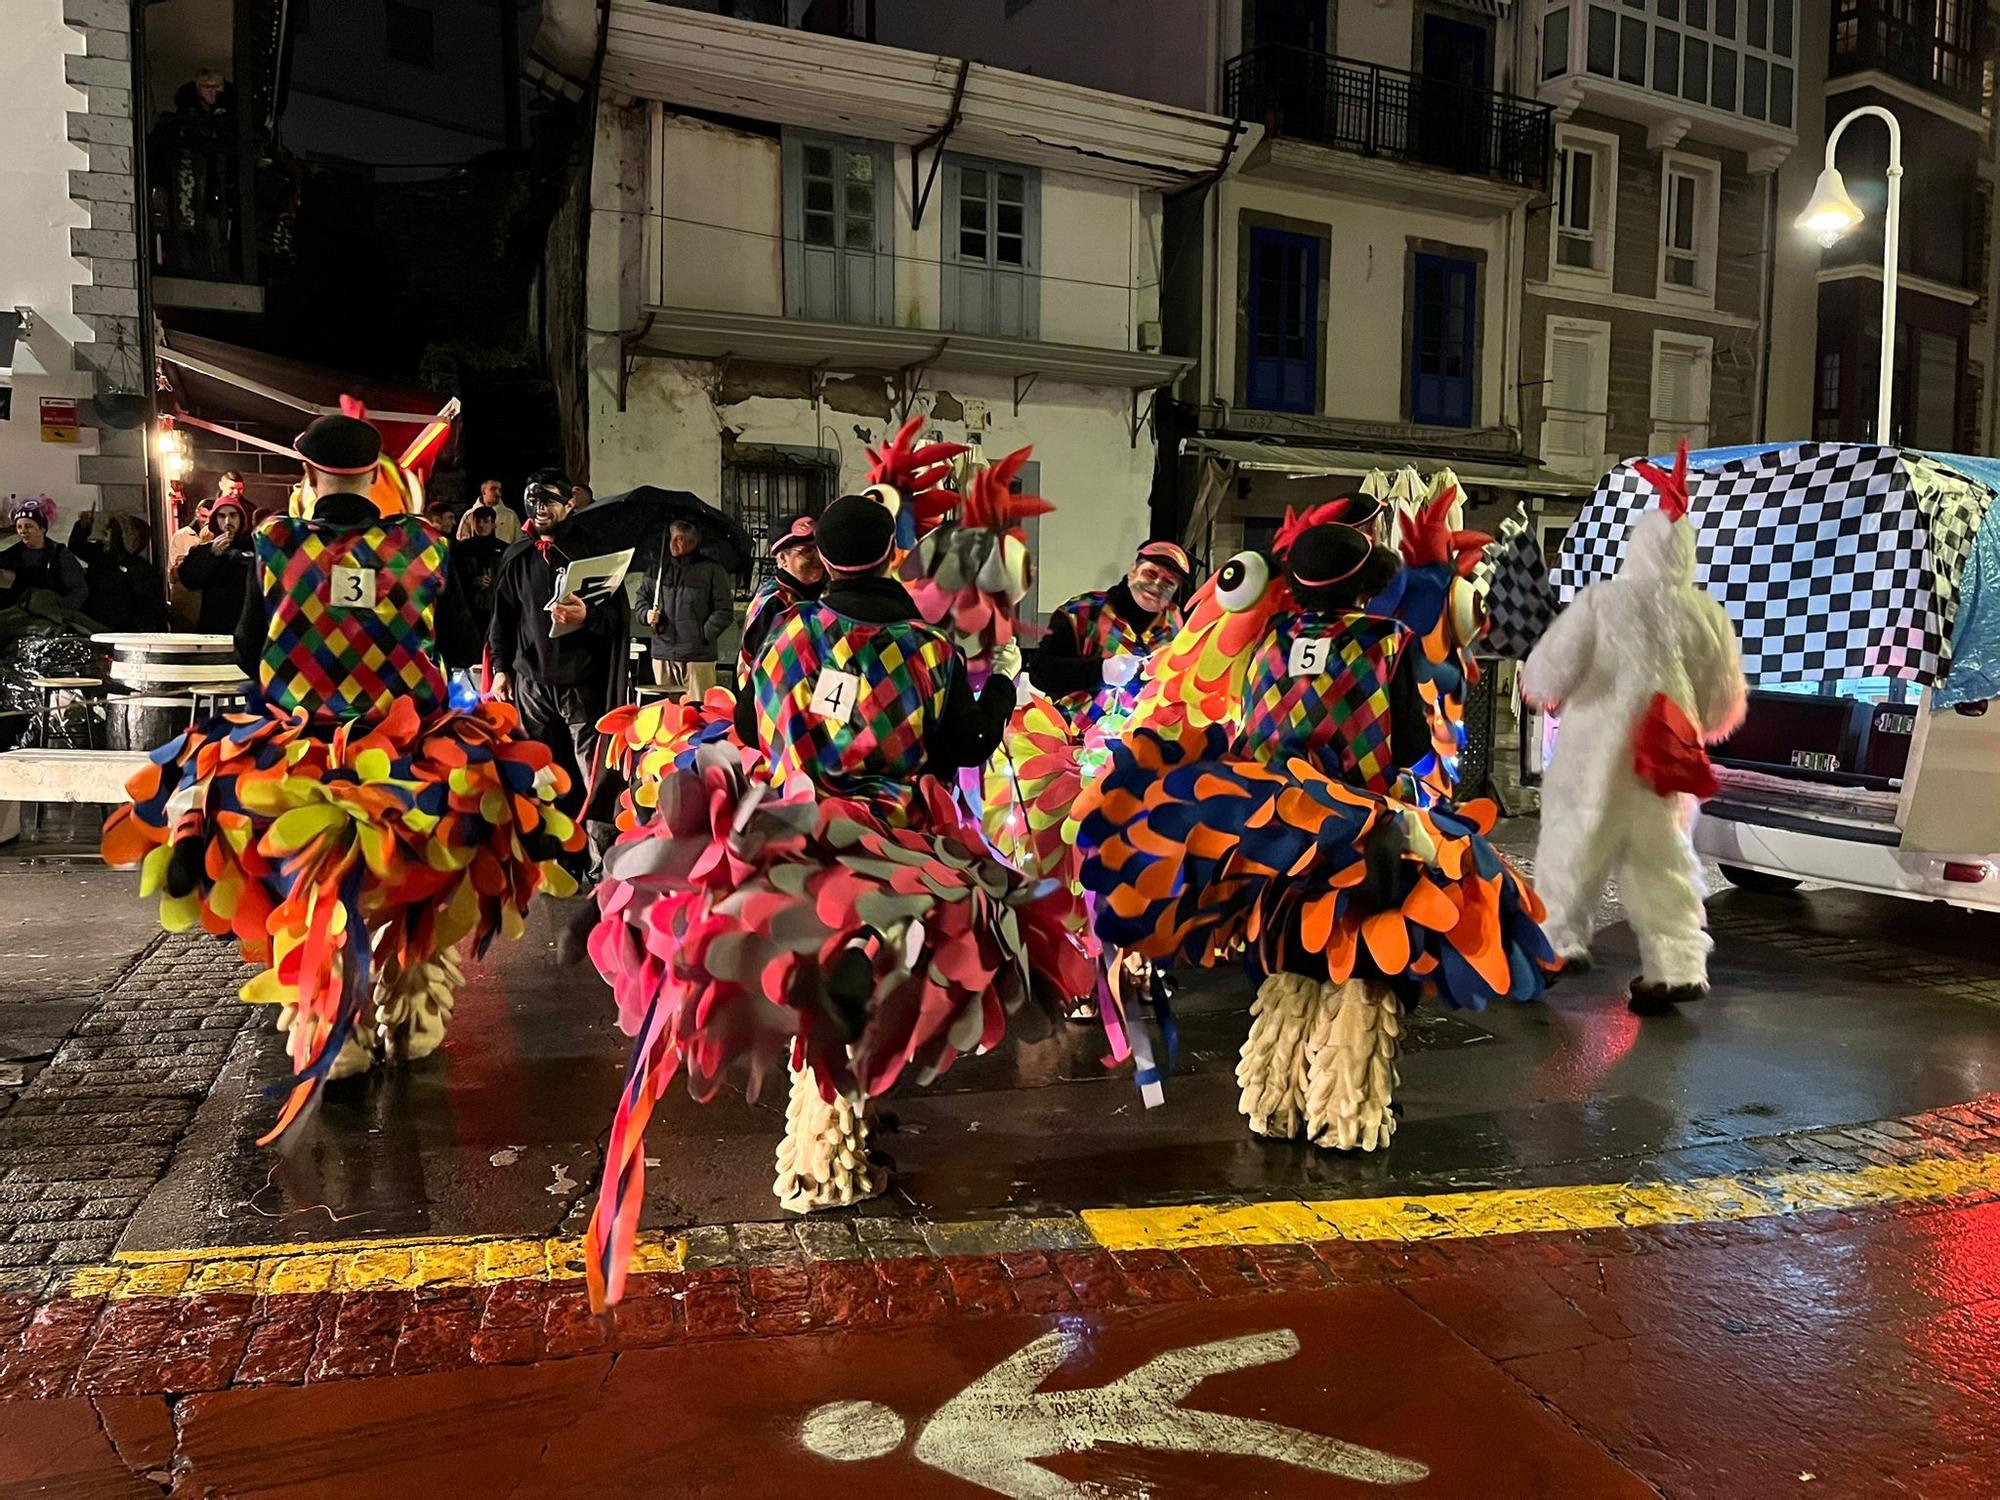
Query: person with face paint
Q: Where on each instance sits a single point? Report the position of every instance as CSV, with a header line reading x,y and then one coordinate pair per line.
x,y
1098,642
218,568
37,563
797,574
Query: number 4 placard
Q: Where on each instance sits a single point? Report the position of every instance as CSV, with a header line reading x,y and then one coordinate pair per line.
x,y
835,695
353,588
1310,655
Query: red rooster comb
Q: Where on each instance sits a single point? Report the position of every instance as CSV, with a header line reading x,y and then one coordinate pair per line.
x,y
919,472
1673,487
990,503
1297,524
355,407
1428,538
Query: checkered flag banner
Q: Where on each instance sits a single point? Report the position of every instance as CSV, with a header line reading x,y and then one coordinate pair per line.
x,y
1825,555
1520,603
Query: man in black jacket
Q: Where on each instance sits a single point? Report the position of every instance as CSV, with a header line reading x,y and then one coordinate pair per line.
x,y
856,540
561,684
1098,642
341,455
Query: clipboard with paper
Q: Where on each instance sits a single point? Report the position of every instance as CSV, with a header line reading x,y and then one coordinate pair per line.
x,y
591,579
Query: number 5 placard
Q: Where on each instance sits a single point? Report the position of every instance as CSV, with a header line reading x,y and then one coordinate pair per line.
x,y
353,588
835,695
1310,655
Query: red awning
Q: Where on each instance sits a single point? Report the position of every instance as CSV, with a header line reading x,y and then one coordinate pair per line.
x,y
271,397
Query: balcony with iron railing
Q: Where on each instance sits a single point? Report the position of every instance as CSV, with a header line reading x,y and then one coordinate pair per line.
x,y
1935,47
1386,112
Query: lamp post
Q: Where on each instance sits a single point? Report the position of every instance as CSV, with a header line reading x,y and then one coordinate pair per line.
x,y
1831,213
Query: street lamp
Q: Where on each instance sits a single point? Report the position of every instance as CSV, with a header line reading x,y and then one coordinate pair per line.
x,y
1831,213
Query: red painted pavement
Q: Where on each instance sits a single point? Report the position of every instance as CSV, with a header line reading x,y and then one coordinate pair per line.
x,y
1727,1360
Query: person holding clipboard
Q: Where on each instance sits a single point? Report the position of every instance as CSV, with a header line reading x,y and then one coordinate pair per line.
x,y
557,647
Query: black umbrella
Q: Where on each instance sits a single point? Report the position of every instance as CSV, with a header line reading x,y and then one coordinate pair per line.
x,y
639,518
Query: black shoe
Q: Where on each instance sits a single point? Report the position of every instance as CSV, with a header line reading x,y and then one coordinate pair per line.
x,y
1660,999
573,942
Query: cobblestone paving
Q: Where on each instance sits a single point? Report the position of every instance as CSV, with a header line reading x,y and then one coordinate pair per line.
x,y
88,1137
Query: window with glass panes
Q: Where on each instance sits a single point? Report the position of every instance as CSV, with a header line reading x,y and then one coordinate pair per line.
x,y
1733,55
991,233
839,254
1584,174
1688,225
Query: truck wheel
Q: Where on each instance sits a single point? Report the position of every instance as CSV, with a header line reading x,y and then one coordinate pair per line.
x,y
1758,881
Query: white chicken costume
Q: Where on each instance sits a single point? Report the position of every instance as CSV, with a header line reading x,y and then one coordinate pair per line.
x,y
1644,669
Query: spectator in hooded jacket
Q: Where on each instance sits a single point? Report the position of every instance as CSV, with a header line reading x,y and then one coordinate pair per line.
x,y
37,562
692,602
220,567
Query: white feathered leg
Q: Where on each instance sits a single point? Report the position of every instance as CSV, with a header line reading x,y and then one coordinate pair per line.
x,y
1271,1070
823,1158
1351,1066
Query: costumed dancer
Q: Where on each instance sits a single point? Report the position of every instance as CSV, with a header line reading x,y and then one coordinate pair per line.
x,y
850,926
1088,668
1251,806
797,574
1642,670
352,830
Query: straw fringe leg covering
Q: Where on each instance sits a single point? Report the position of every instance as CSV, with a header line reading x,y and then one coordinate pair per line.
x,y
1351,1066
1271,1070
823,1159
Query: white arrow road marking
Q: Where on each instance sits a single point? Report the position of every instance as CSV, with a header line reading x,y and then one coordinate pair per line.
x,y
991,1432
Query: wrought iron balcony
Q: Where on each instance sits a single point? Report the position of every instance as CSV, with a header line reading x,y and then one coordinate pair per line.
x,y
1380,111
1939,53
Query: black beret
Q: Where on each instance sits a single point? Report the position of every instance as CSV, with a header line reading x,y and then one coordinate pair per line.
x,y
340,445
1326,555
856,534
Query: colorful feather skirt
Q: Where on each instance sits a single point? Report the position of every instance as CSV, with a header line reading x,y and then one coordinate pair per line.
x,y
1193,853
645,743
331,853
739,926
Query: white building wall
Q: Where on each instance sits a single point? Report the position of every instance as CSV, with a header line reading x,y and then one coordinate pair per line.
x,y
37,270
716,221
1365,348
670,434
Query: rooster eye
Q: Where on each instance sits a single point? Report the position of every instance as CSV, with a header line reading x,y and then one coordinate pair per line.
x,y
1242,581
884,494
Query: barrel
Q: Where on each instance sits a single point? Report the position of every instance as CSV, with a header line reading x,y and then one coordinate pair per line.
x,y
158,679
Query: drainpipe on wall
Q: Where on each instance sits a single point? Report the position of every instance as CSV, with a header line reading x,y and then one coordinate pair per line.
x,y
1769,297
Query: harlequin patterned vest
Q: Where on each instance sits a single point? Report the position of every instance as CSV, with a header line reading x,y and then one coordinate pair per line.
x,y
875,753
351,612
774,595
1102,631
1337,715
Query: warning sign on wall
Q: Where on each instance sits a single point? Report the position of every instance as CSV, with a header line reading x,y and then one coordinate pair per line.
x,y
58,419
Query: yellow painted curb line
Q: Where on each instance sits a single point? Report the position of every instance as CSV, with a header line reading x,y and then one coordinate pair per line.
x,y
414,1263
384,1265
1699,1200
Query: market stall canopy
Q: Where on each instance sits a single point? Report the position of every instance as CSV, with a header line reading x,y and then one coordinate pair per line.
x,y
1287,458
273,398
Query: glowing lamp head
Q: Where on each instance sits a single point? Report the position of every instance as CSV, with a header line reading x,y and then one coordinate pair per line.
x,y
1831,213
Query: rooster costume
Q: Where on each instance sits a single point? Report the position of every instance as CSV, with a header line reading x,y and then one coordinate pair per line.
x,y
819,902
1251,806
352,830
1644,668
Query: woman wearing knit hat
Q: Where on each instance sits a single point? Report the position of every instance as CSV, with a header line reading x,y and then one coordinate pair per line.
x,y
36,562
352,831
852,927
1269,774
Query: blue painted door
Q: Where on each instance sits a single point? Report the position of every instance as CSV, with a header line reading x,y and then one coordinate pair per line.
x,y
1444,341
1282,370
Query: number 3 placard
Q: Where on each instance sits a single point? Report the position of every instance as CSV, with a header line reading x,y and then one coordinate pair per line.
x,y
1310,655
353,588
835,695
